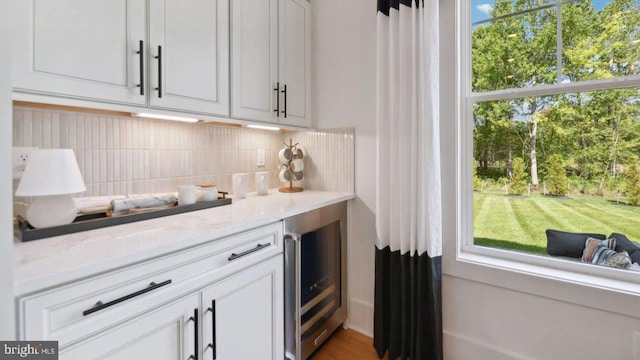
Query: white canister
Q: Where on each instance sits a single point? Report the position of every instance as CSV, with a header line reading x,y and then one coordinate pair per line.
x,y
187,195
240,185
208,192
262,182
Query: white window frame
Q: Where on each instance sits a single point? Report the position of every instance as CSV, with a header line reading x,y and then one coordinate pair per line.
x,y
599,287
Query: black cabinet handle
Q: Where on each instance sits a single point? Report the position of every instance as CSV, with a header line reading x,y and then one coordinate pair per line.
x,y
159,57
285,100
259,247
194,318
100,305
140,53
277,90
212,344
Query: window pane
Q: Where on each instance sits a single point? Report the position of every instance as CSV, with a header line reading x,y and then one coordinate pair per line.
x,y
568,162
600,40
483,10
514,51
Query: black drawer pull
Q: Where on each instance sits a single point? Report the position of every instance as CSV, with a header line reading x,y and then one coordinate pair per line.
x,y
159,57
212,344
194,318
277,90
100,305
140,53
259,247
285,100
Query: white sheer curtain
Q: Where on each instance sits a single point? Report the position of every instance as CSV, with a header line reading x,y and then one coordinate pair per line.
x,y
408,301
408,209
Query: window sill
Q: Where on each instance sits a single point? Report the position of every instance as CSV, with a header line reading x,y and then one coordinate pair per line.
x,y
612,290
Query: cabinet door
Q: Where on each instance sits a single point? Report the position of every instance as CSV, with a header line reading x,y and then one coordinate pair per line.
x,y
192,71
168,333
247,317
295,61
254,59
78,48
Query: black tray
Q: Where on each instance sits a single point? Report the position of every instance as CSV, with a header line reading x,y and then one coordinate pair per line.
x,y
25,232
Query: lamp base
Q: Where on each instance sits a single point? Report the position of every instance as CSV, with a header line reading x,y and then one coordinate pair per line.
x,y
48,211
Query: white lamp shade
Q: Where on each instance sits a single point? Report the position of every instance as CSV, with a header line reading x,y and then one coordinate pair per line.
x,y
51,172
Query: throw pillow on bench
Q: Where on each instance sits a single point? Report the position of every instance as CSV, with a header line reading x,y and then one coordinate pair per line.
x,y
624,244
568,244
561,243
601,252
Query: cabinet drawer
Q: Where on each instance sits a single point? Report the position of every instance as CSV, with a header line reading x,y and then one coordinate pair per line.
x,y
77,310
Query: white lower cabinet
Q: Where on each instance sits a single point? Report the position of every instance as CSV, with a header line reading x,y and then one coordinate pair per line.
x,y
237,318
243,319
223,298
167,333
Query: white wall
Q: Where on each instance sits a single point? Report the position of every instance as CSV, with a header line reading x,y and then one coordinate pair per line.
x,y
484,321
481,321
7,331
345,63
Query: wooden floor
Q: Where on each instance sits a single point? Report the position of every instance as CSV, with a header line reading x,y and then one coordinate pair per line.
x,y
346,345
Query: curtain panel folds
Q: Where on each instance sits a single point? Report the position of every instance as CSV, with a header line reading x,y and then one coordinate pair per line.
x,y
407,315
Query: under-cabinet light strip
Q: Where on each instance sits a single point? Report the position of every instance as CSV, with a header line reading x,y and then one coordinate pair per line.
x,y
164,117
264,127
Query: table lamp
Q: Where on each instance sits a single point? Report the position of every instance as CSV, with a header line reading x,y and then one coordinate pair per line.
x,y
50,176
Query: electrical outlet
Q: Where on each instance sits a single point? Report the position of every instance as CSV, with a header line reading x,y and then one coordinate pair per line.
x,y
636,345
261,160
20,159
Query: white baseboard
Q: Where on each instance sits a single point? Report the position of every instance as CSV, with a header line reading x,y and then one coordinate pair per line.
x,y
456,346
360,317
460,347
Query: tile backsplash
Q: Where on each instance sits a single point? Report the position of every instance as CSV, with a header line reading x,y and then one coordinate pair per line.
x,y
118,154
330,164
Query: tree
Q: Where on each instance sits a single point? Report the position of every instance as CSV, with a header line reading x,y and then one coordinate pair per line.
x,y
515,51
518,183
594,131
556,176
477,183
632,182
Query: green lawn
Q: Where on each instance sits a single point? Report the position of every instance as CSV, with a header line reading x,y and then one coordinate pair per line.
x,y
519,223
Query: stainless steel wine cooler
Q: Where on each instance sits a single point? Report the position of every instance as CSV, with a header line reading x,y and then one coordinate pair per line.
x,y
315,278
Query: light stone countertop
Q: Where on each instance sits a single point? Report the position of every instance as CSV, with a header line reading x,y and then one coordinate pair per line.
x,y
45,263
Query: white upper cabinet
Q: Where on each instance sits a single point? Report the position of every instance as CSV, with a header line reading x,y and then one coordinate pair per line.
x,y
271,52
168,54
254,59
189,55
84,49
295,62
99,50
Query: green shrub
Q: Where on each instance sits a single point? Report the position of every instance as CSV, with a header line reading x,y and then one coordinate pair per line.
x,y
518,183
557,182
632,182
477,183
492,172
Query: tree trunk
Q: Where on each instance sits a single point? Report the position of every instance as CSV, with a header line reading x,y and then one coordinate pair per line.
x,y
613,155
509,155
533,132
